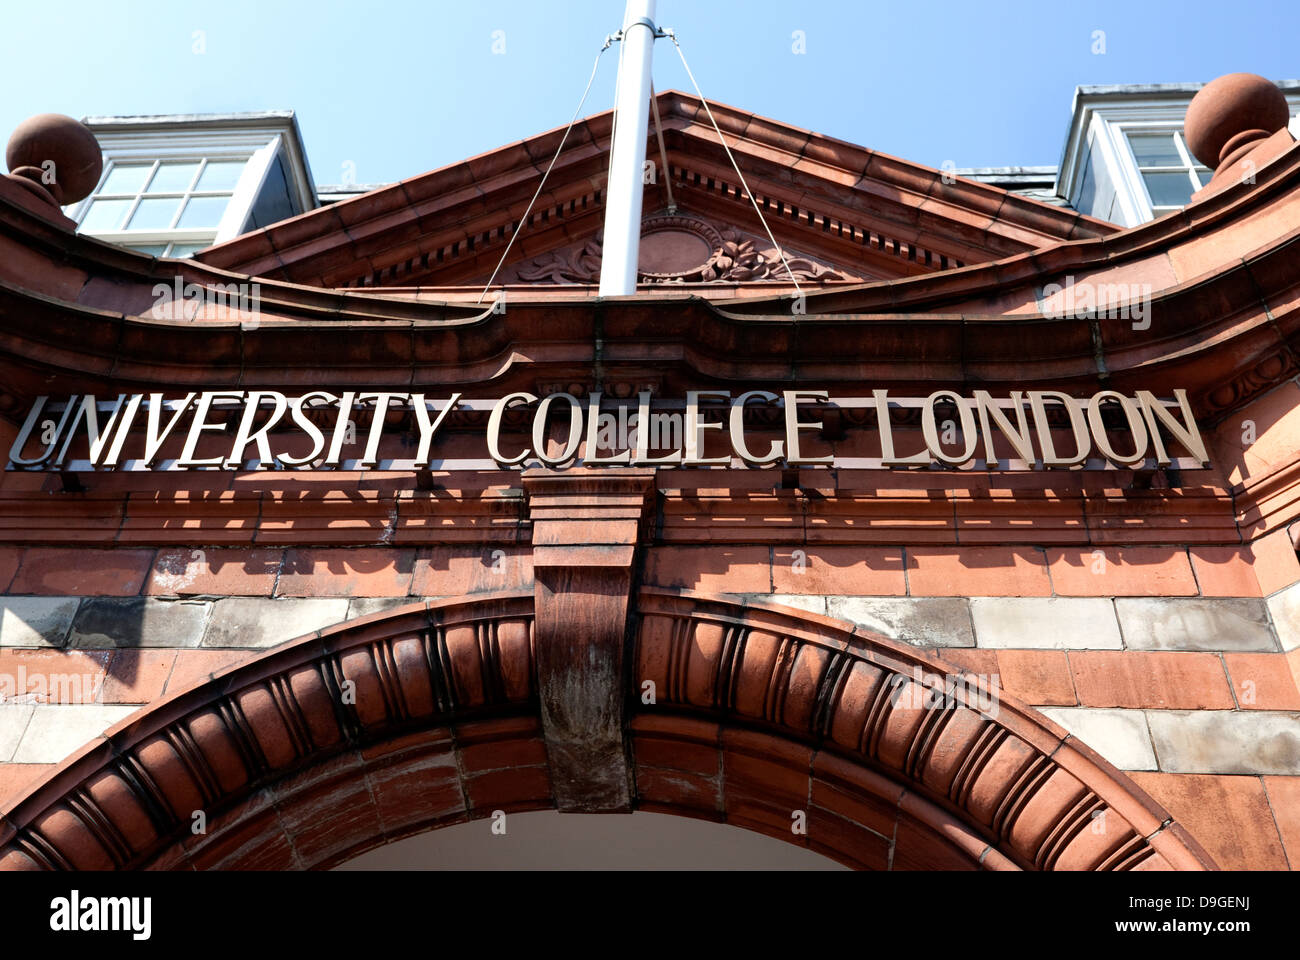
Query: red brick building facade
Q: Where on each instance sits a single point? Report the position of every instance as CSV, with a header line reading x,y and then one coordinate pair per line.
x,y
322,659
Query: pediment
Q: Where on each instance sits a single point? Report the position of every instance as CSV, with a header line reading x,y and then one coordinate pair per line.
x,y
846,213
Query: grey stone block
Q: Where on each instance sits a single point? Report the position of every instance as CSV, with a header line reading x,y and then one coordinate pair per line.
x,y
364,606
1121,736
14,718
57,730
244,622
1159,623
1284,606
1223,741
36,621
1045,623
138,622
811,603
923,621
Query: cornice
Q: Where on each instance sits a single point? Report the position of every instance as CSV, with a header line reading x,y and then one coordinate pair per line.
x,y
1275,182
76,310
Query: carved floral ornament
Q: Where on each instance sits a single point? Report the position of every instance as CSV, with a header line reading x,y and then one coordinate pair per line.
x,y
681,249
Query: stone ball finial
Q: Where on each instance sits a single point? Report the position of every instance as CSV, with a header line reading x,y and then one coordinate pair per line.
x,y
1232,113
58,153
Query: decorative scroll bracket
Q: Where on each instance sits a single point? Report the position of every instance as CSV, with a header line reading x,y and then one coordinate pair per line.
x,y
586,527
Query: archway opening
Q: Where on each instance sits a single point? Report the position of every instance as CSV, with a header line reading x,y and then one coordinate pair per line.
x,y
546,840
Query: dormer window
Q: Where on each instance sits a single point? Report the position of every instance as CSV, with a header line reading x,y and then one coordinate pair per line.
x,y
1126,159
185,199
175,185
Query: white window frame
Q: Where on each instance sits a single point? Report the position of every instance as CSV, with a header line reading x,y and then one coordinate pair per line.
x,y
170,232
1147,209
258,148
1112,129
1099,135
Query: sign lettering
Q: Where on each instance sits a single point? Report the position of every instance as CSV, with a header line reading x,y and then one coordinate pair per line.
x,y
320,430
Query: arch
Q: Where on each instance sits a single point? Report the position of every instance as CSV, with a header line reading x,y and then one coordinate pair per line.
x,y
429,714
880,740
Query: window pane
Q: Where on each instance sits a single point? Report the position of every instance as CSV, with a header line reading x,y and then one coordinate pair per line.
x,y
126,178
203,212
1155,150
1204,175
173,177
182,250
221,174
154,213
105,215
1168,189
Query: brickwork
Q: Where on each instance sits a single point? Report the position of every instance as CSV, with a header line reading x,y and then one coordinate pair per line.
x,y
149,624
1173,663
342,791
1161,670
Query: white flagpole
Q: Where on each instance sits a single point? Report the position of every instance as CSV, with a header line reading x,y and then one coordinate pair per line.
x,y
624,192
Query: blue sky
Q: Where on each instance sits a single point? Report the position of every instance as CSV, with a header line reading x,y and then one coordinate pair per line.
x,y
397,88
